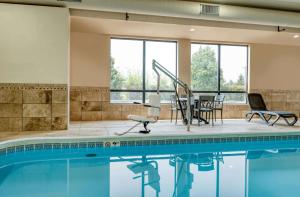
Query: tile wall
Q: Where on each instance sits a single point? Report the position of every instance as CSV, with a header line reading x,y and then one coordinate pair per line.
x,y
281,100
93,103
33,107
43,107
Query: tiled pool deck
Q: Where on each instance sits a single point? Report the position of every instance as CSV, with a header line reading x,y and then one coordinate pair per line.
x,y
85,135
107,129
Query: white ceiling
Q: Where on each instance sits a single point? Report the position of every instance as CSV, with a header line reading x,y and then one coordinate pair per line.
x,y
175,31
191,9
287,5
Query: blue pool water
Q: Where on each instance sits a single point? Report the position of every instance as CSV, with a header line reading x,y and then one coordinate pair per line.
x,y
259,169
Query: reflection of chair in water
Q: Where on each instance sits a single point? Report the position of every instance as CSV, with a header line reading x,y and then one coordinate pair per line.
x,y
183,177
149,168
205,161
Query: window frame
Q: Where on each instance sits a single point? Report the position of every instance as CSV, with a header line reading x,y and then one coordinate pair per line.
x,y
144,90
219,91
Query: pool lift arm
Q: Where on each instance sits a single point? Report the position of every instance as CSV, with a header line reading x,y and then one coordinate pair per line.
x,y
187,117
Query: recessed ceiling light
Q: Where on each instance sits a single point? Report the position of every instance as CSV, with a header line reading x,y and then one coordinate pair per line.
x,y
192,29
296,36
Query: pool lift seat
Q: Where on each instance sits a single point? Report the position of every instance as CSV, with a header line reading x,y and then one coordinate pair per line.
x,y
152,117
154,102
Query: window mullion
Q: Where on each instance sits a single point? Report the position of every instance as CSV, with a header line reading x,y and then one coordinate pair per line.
x,y
144,71
219,68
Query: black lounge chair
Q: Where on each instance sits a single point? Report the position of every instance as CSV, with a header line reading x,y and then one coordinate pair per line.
x,y
258,107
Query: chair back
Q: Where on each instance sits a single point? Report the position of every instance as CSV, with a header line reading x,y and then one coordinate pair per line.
x,y
206,102
256,102
219,100
154,100
173,101
182,100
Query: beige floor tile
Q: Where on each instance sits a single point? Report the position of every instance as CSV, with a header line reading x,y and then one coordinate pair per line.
x,y
100,129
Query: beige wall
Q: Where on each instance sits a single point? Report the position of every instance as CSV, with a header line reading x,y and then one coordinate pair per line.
x,y
90,60
273,71
184,60
34,44
271,66
275,67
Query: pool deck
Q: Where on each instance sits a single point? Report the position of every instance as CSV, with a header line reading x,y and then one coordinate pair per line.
x,y
164,128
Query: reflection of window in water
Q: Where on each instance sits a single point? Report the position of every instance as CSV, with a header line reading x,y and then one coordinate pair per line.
x,y
273,172
244,173
196,174
188,167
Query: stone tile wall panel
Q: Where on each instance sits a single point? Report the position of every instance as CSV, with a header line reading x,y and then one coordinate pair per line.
x,y
33,107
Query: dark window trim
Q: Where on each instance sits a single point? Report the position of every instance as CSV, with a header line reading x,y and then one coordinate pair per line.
x,y
144,41
219,91
195,91
225,44
141,39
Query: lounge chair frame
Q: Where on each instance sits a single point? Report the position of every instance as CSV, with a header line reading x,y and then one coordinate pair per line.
x,y
259,108
268,115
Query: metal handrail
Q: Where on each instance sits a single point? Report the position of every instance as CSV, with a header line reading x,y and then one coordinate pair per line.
x,y
188,116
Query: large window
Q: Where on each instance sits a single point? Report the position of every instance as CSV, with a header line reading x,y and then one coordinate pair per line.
x,y
220,69
132,77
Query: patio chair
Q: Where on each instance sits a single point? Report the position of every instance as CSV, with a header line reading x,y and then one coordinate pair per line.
x,y
218,105
153,114
258,107
205,105
174,108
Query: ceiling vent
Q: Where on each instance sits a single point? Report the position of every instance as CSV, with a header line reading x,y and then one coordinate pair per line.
x,y
209,9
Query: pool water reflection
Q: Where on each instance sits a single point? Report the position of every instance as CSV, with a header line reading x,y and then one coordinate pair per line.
x,y
120,172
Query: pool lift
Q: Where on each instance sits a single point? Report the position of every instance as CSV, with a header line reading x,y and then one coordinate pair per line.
x,y
154,102
186,116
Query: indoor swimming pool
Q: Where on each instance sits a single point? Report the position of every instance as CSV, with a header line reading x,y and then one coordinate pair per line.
x,y
231,169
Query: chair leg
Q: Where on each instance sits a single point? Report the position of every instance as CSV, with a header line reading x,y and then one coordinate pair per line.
x,y
171,115
222,116
176,116
198,117
272,123
292,122
215,112
212,120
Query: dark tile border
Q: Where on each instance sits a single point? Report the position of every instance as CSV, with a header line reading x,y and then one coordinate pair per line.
x,y
32,86
144,142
